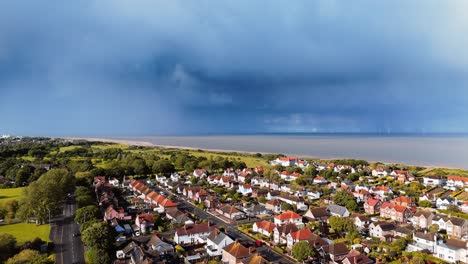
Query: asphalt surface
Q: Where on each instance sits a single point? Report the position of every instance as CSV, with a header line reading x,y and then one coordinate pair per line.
x,y
69,249
232,231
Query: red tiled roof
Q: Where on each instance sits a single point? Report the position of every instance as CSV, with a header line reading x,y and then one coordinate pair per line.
x,y
288,215
372,202
458,178
265,225
303,234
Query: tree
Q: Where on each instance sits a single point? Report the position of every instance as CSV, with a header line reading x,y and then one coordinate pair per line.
x,y
163,166
85,200
341,225
424,203
7,246
353,177
98,256
47,193
87,213
261,199
453,208
434,228
99,236
286,207
345,199
29,256
311,171
11,207
302,250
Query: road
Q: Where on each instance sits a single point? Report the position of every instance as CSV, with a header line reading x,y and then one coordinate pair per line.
x,y
69,249
232,231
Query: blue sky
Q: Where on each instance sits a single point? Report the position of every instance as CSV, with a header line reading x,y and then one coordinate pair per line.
x,y
119,67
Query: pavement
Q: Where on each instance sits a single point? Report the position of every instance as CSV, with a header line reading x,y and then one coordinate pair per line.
x,y
69,249
232,231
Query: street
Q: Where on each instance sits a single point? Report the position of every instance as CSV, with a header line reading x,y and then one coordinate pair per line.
x,y
69,249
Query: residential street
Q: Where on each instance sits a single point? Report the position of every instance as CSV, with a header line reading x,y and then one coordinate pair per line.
x,y
69,249
232,231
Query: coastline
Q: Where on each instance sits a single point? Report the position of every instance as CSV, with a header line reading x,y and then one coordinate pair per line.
x,y
149,144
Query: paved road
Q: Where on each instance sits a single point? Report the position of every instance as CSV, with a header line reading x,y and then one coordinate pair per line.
x,y
232,231
69,249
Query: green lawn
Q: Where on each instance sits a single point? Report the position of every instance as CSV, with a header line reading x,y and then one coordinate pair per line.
x,y
249,160
10,194
26,231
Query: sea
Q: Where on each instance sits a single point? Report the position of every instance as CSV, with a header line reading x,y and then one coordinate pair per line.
x,y
444,150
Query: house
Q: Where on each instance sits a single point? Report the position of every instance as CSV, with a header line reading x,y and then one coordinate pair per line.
x,y
175,177
336,252
317,214
403,231
456,227
234,253
274,205
432,181
303,164
231,212
453,251
264,227
464,207
294,200
361,221
372,206
144,222
355,257
229,172
379,172
256,209
397,213
403,201
381,229
272,195
211,201
245,189
313,195
422,218
256,192
440,220
244,176
285,161
114,182
111,213
454,182
159,247
255,259
176,216
288,217
280,233
443,203
319,180
423,241
215,243
381,191
337,210
428,197
199,173
193,233
300,235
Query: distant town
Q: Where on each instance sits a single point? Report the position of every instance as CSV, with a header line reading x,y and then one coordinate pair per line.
x,y
101,202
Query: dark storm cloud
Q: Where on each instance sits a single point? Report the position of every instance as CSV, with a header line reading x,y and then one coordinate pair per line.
x,y
162,67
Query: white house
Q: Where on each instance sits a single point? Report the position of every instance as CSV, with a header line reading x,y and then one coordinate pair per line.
x,y
114,182
245,189
443,203
431,181
294,200
288,217
264,227
453,250
193,233
300,235
175,177
285,161
381,229
338,210
423,241
319,180
161,180
199,173
229,172
313,195
454,182
379,172
215,243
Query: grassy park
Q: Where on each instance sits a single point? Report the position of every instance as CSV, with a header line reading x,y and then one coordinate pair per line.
x,y
10,194
26,231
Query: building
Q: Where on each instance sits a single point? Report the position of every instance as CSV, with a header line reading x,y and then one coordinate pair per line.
x,y
355,257
294,200
264,227
456,227
422,218
453,251
317,214
336,252
381,229
288,217
280,233
193,233
285,161
300,235
215,243
234,253
338,210
231,212
372,206
432,181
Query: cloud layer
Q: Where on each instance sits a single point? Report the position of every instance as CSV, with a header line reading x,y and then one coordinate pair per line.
x,y
117,67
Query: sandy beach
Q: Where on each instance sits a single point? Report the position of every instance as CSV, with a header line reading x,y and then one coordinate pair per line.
x,y
149,144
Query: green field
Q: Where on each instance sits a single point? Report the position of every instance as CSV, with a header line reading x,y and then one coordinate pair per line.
x,y
444,172
25,231
10,194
